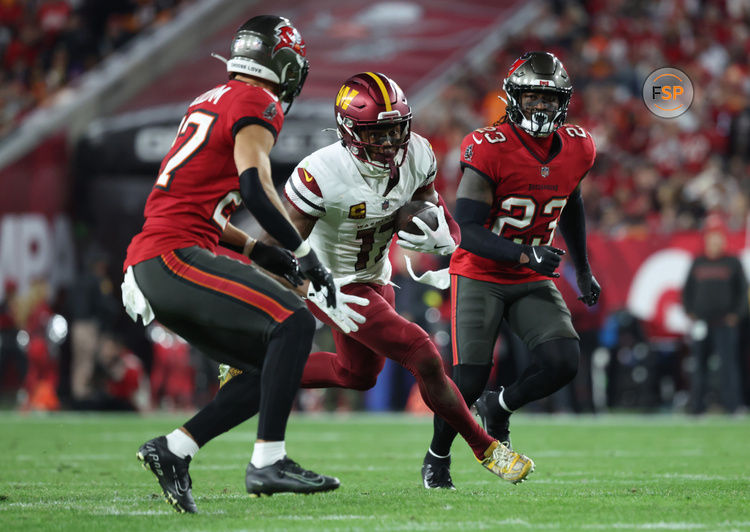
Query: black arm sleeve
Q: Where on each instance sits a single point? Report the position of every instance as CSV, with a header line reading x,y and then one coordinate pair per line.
x,y
573,228
471,215
265,212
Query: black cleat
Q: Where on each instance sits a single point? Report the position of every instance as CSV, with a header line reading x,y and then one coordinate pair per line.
x,y
436,473
495,419
286,476
171,471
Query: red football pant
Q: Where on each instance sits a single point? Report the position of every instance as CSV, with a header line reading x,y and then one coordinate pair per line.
x,y
359,358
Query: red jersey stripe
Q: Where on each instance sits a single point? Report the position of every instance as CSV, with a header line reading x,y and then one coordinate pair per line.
x,y
228,287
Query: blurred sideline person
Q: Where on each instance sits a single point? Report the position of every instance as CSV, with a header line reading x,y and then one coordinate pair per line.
x,y
521,178
715,298
231,311
343,198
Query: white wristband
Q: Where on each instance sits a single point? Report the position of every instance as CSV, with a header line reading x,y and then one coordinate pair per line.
x,y
303,249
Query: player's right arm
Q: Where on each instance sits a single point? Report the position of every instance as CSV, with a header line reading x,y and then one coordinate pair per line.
x,y
473,205
252,147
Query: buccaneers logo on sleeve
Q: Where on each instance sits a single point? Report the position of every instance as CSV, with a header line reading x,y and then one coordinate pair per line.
x,y
469,152
270,112
289,37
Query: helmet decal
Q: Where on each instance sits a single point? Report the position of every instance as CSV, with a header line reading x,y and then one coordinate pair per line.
x,y
520,61
345,96
289,37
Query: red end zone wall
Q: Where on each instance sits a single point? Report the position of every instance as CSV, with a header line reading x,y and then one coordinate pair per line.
x,y
644,275
36,241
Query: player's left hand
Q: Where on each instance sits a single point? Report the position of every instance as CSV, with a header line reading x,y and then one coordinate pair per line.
x,y
343,315
437,242
589,287
277,260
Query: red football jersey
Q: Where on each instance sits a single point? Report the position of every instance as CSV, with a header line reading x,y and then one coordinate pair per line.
x,y
529,193
197,189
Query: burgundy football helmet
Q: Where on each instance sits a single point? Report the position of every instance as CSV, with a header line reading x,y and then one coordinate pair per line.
x,y
373,120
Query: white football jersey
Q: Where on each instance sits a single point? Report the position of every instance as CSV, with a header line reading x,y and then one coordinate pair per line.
x,y
356,218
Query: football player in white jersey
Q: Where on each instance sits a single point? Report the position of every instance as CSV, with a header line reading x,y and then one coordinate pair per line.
x,y
343,199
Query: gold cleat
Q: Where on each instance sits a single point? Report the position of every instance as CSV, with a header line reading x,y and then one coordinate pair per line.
x,y
507,464
226,373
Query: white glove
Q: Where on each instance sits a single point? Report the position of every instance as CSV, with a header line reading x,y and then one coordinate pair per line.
x,y
437,242
440,279
342,314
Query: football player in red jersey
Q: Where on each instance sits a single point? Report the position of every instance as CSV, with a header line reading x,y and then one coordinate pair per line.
x,y
521,179
232,312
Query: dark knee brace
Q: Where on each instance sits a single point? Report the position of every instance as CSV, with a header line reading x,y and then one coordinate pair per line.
x,y
554,364
560,356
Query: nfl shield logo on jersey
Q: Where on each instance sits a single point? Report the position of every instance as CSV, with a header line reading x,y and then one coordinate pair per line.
x,y
386,203
545,171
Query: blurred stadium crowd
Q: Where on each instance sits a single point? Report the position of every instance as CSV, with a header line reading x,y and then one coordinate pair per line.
x,y
45,44
651,176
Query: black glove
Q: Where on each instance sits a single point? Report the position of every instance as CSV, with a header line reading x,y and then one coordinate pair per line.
x,y
277,260
319,276
589,288
544,259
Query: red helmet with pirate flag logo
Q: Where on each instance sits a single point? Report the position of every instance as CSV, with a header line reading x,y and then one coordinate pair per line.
x,y
373,120
270,48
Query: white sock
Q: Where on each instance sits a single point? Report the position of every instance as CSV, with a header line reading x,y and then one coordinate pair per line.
x,y
437,455
181,444
267,453
502,401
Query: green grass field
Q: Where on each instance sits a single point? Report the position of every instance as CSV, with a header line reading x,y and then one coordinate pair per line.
x,y
79,472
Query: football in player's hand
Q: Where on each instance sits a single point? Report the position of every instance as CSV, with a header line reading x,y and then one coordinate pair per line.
x,y
424,210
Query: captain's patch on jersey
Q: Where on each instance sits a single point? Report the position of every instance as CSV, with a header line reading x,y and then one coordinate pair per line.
x,y
358,211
